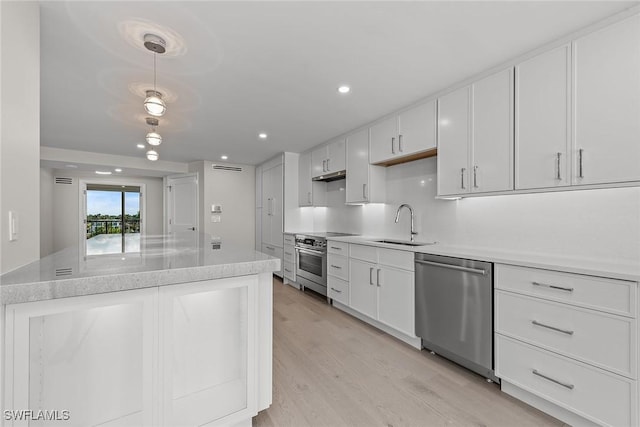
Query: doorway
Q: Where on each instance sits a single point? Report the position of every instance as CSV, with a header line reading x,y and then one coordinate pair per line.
x,y
112,219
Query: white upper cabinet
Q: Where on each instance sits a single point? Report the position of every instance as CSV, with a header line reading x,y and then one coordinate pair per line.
x,y
329,158
542,120
453,142
491,167
365,182
411,132
606,143
310,193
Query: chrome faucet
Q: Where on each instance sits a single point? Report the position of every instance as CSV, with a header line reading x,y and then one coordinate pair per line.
x,y
404,205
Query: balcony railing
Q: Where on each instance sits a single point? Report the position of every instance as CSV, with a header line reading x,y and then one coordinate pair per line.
x,y
111,226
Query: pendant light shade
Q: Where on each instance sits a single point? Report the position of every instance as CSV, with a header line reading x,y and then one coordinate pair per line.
x,y
152,155
154,104
154,138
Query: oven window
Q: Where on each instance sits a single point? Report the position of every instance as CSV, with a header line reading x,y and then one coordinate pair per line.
x,y
310,263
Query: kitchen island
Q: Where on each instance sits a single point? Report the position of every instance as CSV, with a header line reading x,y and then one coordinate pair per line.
x,y
179,333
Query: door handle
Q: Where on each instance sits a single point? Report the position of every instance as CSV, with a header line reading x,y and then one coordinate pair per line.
x,y
324,166
328,168
393,149
193,229
462,177
400,143
580,174
364,191
475,177
378,277
371,276
558,176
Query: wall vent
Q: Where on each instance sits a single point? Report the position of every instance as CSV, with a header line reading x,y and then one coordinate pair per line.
x,y
63,180
64,271
226,168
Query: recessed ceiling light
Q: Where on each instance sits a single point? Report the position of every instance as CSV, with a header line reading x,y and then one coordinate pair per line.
x,y
262,135
224,157
103,172
118,170
71,166
140,146
344,89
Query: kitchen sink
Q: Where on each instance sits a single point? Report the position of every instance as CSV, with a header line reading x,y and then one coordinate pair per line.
x,y
404,242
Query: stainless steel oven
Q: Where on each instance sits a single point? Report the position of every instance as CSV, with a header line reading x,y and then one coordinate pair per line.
x,y
311,263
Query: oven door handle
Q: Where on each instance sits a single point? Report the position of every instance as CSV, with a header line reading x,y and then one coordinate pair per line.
x,y
309,251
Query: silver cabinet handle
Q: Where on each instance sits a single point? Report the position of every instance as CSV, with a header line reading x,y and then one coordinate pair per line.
x,y
553,328
453,267
475,177
553,380
400,143
270,248
558,176
364,191
335,290
324,166
371,275
462,177
580,174
288,253
393,148
336,248
544,285
287,270
378,277
309,197
328,168
336,266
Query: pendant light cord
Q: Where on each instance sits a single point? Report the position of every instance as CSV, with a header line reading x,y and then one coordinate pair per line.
x,y
155,92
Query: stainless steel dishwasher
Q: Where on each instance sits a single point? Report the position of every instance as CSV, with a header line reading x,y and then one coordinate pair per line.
x,y
454,310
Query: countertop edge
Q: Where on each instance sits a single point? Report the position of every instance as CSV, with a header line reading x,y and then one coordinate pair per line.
x,y
572,265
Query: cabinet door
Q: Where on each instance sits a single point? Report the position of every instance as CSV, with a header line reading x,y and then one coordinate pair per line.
x,y
362,287
542,120
258,186
319,162
384,140
607,104
396,298
277,205
492,154
417,129
453,142
358,167
336,156
208,348
304,180
258,230
266,205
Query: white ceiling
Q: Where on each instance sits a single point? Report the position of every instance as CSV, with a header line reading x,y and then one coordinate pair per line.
x,y
248,67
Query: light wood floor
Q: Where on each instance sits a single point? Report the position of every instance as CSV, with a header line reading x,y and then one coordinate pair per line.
x,y
330,369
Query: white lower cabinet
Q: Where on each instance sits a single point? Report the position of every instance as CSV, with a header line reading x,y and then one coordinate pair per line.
x,y
381,285
562,338
289,258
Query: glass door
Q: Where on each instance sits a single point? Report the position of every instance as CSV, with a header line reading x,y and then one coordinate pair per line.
x,y
112,219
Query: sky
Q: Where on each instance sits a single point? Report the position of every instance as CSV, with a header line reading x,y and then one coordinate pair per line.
x,y
108,202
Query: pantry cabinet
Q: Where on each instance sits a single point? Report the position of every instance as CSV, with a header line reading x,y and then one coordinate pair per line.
x,y
272,205
412,131
475,143
542,120
328,158
365,182
606,144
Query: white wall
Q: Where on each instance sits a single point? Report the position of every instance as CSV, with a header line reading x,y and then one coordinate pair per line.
x,y
594,224
20,131
65,205
235,191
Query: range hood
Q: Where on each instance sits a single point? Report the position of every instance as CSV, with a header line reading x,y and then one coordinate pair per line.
x,y
333,176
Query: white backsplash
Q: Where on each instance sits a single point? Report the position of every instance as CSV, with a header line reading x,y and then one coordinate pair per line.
x,y
596,224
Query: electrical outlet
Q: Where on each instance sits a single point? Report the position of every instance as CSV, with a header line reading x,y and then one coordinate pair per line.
x,y
215,218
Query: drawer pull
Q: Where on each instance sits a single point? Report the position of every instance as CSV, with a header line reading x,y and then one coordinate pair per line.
x,y
288,253
336,266
287,270
335,290
553,380
336,248
564,331
560,288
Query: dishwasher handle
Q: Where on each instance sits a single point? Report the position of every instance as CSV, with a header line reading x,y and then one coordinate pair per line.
x,y
454,267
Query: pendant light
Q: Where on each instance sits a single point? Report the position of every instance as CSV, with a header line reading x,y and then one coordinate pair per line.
x,y
152,155
153,137
153,103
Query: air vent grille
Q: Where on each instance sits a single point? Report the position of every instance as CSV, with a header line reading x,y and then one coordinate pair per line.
x,y
63,180
64,271
226,168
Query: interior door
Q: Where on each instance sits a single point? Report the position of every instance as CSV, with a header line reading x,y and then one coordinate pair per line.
x,y
183,203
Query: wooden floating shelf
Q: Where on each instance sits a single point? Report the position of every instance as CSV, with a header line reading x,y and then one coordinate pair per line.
x,y
410,158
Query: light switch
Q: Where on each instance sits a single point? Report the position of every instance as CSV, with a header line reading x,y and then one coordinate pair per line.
x,y
215,218
216,208
13,226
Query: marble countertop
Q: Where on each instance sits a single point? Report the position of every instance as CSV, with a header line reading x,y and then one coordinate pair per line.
x,y
162,260
623,270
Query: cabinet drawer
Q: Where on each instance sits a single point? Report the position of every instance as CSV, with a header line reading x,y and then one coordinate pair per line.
x,y
605,340
598,395
338,266
289,239
289,254
616,296
364,252
338,290
340,248
272,250
397,259
289,271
